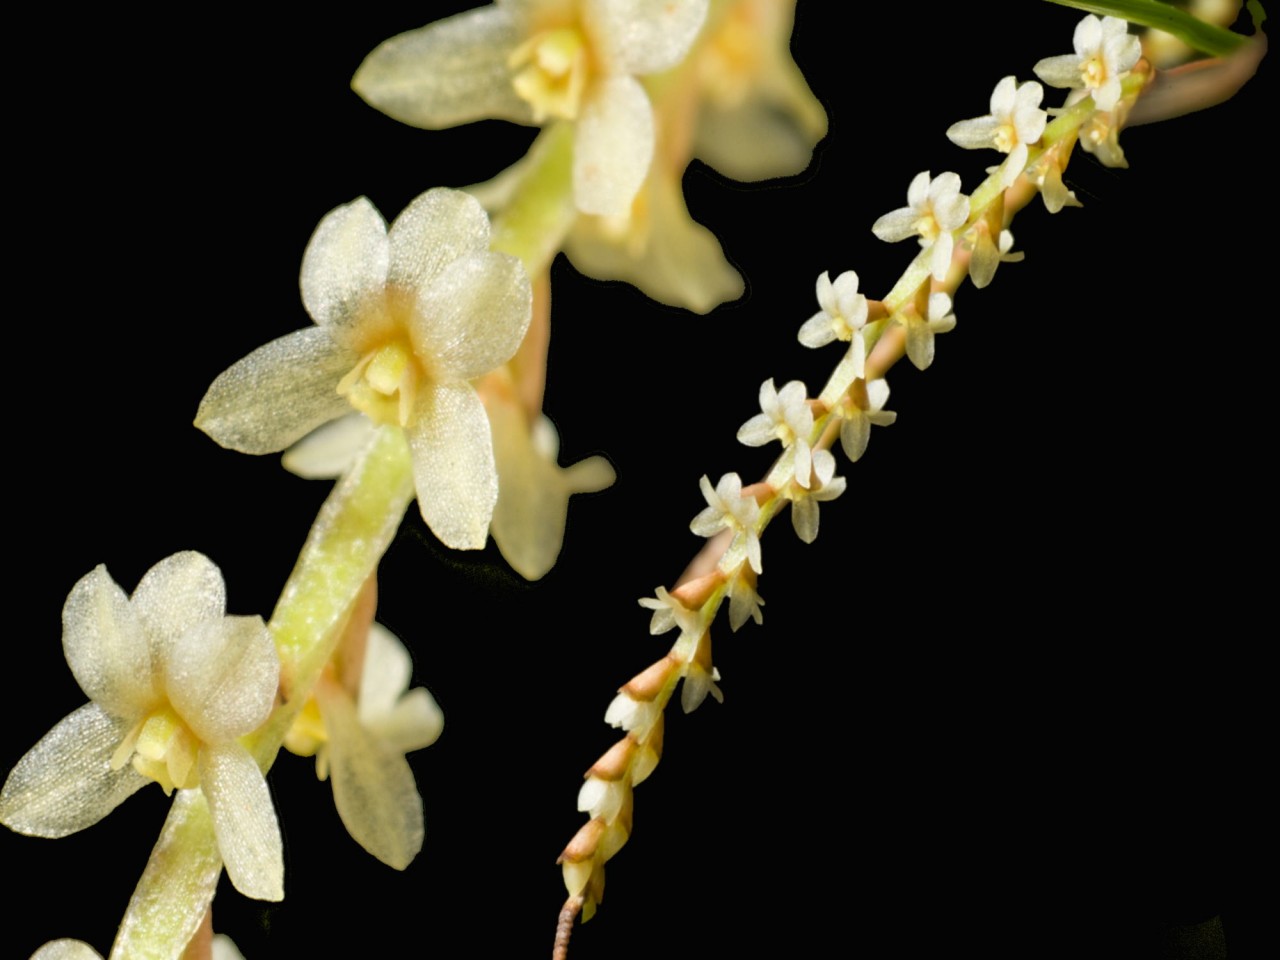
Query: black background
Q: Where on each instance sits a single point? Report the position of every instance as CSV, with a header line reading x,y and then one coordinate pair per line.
x,y
1008,702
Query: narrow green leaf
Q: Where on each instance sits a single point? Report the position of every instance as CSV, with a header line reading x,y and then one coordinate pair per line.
x,y
1197,34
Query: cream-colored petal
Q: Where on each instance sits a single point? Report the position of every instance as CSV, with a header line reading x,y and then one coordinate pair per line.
x,y
66,950
65,782
472,317
855,432
974,134
664,252
244,821
896,225
804,518
385,675
179,593
438,227
330,449
416,722
453,467
222,677
277,394
448,72
373,786
223,947
106,646
345,263
642,36
1063,71
612,146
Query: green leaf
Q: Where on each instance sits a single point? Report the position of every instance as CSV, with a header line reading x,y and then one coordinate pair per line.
x,y
1197,34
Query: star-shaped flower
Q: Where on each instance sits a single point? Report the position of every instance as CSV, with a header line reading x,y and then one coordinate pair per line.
x,y
842,317
935,207
786,417
536,60
1105,52
1014,123
728,509
668,613
172,682
360,741
405,318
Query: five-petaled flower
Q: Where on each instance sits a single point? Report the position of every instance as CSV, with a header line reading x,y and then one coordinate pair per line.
x,y
935,207
405,318
537,60
1105,52
359,731
842,317
728,509
172,682
1014,123
786,417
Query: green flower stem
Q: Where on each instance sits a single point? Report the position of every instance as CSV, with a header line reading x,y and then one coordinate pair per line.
x,y
532,225
352,531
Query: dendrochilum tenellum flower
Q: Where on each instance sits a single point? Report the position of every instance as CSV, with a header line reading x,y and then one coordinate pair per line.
x,y
842,316
935,207
858,417
728,509
534,61
804,503
405,318
172,682
1014,123
786,417
1105,52
360,740
922,330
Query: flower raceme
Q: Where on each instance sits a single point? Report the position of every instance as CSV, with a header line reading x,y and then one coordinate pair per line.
x,y
535,61
172,683
405,318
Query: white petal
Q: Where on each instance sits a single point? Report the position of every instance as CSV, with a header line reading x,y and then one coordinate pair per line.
x,y
758,431
416,722
330,449
974,134
824,466
855,432
453,466
345,263
918,190
896,225
277,394
940,257
438,227
1089,33
65,782
452,71
385,676
244,821
643,36
1063,71
472,317
179,593
803,462
224,948
804,518
817,331
1004,96
106,646
66,950
848,301
612,147
373,786
222,677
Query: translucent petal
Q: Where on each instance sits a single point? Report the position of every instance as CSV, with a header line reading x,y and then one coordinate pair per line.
x,y
385,676
920,344
178,594
1004,97
106,646
373,786
974,134
473,315
664,253
222,677
918,190
453,466
613,146
896,225
1089,33
855,432
804,518
817,331
416,722
65,782
66,950
244,821
940,258
643,36
345,263
758,139
438,227
277,394
758,431
1063,71
330,449
449,72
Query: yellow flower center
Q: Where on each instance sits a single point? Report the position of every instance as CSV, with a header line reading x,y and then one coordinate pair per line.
x,y
383,385
1006,137
927,227
551,72
1094,72
162,748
